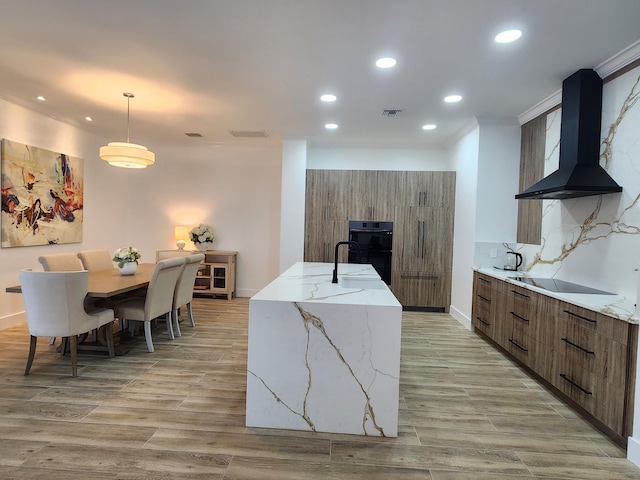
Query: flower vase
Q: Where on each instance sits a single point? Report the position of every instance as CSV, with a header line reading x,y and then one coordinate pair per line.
x,y
203,247
128,268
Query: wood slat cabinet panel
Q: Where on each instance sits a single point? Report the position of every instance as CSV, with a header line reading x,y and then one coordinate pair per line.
x,y
588,357
489,306
604,401
422,289
597,354
532,156
321,238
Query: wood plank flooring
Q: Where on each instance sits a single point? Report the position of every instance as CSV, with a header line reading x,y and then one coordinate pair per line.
x,y
466,412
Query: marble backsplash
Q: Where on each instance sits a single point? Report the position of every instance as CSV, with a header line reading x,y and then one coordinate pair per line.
x,y
593,241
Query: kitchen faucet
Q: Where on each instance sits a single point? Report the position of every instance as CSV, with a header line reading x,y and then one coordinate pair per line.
x,y
335,258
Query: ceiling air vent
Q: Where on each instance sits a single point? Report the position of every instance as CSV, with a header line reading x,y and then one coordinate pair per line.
x,y
248,134
193,135
391,112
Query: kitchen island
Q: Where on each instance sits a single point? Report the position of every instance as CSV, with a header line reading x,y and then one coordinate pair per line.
x,y
324,357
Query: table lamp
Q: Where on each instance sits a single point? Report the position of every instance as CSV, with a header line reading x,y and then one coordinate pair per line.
x,y
182,235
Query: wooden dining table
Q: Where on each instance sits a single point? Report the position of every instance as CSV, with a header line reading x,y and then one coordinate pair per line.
x,y
109,283
106,284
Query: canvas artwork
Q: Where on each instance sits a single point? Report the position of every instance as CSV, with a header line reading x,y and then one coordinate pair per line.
x,y
42,196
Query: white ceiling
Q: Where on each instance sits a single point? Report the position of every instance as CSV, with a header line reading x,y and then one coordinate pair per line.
x,y
210,66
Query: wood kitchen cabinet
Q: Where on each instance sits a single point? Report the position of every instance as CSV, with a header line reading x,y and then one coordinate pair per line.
x,y
217,274
421,207
585,357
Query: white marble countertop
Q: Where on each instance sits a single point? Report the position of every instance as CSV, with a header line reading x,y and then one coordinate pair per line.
x,y
311,282
616,306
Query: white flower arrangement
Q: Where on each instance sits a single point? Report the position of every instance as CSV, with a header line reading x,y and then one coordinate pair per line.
x,y
202,234
126,254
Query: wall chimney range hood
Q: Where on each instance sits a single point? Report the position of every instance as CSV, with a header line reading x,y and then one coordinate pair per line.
x,y
579,173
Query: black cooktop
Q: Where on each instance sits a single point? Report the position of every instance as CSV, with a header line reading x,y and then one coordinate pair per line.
x,y
559,286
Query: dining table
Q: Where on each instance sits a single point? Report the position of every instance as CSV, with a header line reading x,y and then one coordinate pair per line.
x,y
108,284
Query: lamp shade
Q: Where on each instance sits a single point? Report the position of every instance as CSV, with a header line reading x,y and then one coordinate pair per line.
x,y
127,155
182,235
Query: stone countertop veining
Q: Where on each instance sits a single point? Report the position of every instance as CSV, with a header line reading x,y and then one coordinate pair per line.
x,y
616,306
311,282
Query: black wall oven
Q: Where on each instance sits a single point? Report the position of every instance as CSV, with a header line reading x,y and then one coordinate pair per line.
x,y
375,240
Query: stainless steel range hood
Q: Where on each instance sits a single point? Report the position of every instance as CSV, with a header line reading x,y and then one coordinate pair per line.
x,y
579,173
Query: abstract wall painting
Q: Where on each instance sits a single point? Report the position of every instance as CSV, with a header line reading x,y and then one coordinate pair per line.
x,y
42,196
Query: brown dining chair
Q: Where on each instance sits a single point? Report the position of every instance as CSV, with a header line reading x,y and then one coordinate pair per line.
x,y
96,260
157,302
54,307
183,294
61,262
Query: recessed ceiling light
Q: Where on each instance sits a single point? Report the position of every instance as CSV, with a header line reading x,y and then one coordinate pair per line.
x,y
331,126
429,126
88,119
508,36
328,97
41,98
386,62
452,98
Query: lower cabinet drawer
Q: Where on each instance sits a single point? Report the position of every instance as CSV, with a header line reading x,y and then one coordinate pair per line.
x,y
422,289
597,396
595,353
525,348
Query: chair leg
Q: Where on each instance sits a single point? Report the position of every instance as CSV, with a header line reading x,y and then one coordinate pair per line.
x,y
147,336
167,317
190,312
52,340
110,343
32,353
176,321
73,340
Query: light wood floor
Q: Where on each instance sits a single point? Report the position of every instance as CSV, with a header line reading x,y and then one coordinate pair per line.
x,y
465,413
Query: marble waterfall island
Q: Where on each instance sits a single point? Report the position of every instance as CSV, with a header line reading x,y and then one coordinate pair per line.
x,y
325,357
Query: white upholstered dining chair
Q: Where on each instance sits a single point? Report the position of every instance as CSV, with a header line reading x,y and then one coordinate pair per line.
x,y
96,260
61,262
158,300
54,307
183,294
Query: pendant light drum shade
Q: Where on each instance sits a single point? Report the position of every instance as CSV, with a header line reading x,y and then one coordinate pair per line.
x,y
126,154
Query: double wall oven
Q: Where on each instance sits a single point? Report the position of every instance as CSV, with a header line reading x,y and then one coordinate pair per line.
x,y
375,240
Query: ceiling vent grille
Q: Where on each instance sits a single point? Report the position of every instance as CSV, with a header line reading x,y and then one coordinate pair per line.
x,y
249,134
391,112
193,135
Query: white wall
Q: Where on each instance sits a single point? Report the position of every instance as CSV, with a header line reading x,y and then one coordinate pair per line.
x,y
294,181
235,189
376,159
464,155
497,181
105,197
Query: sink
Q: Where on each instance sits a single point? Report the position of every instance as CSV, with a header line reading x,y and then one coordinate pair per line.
x,y
363,283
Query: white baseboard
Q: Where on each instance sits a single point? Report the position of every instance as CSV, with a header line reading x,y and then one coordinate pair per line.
x,y
460,317
633,450
12,320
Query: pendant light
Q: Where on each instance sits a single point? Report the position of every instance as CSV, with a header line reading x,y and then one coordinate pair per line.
x,y
126,154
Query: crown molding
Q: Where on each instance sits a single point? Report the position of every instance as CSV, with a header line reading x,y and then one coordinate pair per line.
x,y
617,62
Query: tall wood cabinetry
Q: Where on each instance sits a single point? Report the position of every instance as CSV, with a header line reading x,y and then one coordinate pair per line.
x,y
421,207
583,356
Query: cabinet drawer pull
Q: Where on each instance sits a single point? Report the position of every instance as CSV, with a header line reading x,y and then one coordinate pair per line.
x,y
484,280
517,345
578,346
575,384
519,317
580,316
520,294
482,321
420,277
484,298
